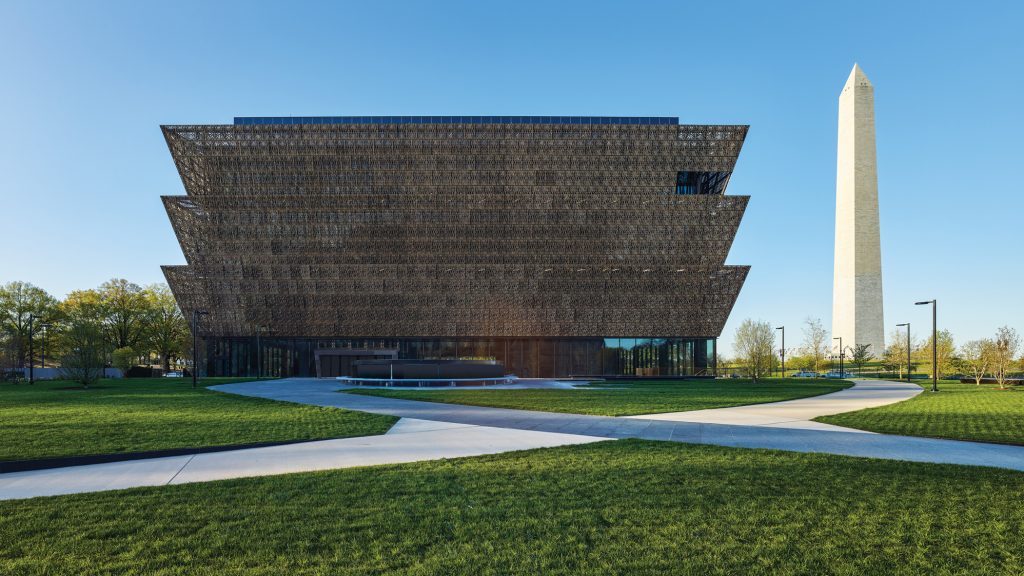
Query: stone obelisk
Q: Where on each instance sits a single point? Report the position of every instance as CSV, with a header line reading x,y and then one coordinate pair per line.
x,y
857,283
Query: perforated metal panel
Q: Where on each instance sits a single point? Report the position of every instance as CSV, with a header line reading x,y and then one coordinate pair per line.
x,y
454,230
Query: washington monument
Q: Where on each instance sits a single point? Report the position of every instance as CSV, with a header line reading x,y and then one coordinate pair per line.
x,y
857,284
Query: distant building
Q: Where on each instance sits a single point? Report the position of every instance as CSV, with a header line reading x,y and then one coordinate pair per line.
x,y
556,245
857,285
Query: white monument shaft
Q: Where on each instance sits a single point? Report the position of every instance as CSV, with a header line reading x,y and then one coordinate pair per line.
x,y
857,283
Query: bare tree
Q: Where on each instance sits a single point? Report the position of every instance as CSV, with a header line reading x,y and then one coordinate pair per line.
x,y
815,343
976,357
755,343
1004,354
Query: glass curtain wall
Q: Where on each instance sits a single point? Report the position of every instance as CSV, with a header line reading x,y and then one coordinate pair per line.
x,y
524,357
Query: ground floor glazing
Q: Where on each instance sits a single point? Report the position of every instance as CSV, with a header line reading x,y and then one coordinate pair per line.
x,y
523,357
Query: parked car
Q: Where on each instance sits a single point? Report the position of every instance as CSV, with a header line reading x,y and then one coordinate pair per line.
x,y
806,374
173,374
839,375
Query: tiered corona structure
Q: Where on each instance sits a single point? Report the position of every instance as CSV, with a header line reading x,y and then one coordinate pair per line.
x,y
557,245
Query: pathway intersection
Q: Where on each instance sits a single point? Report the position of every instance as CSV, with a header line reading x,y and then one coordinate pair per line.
x,y
430,430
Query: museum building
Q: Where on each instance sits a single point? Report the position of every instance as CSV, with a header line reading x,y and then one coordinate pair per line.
x,y
555,245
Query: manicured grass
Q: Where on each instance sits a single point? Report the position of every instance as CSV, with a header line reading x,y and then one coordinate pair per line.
x,y
629,398
618,507
49,420
959,411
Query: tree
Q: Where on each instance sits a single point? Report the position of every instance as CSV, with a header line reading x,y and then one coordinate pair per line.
x,y
944,353
815,343
976,357
123,305
895,356
800,361
166,328
19,300
860,355
1004,354
755,342
85,353
123,359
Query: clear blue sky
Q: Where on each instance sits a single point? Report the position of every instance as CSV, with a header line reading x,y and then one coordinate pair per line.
x,y
85,86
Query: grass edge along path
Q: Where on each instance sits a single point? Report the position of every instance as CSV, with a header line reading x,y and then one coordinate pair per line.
x,y
957,412
54,419
616,507
627,397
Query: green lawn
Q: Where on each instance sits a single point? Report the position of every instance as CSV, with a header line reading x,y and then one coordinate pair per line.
x,y
49,419
960,411
629,398
618,507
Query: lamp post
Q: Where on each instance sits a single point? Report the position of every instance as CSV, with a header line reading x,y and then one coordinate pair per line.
x,y
31,350
259,350
782,351
195,343
935,343
842,373
44,326
907,324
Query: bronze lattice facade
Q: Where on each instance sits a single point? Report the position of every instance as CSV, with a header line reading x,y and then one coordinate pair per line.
x,y
557,245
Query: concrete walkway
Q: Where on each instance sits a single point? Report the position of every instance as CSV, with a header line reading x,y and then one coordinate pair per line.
x,y
408,440
800,413
430,430
841,441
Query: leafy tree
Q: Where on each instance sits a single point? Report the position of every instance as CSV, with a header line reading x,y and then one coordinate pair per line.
x,y
123,359
84,355
1004,354
124,309
754,346
815,344
895,357
19,300
976,358
800,361
945,353
166,330
860,354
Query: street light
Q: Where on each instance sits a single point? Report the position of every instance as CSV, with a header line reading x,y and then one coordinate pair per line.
x,y
31,350
259,353
842,372
935,343
195,342
782,350
44,326
907,324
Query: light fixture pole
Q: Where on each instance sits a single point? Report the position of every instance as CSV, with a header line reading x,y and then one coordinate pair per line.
x,y
782,351
195,343
259,351
31,350
907,324
44,326
935,343
842,373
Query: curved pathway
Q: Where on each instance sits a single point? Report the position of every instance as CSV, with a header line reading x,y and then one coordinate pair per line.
x,y
835,440
800,413
430,430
